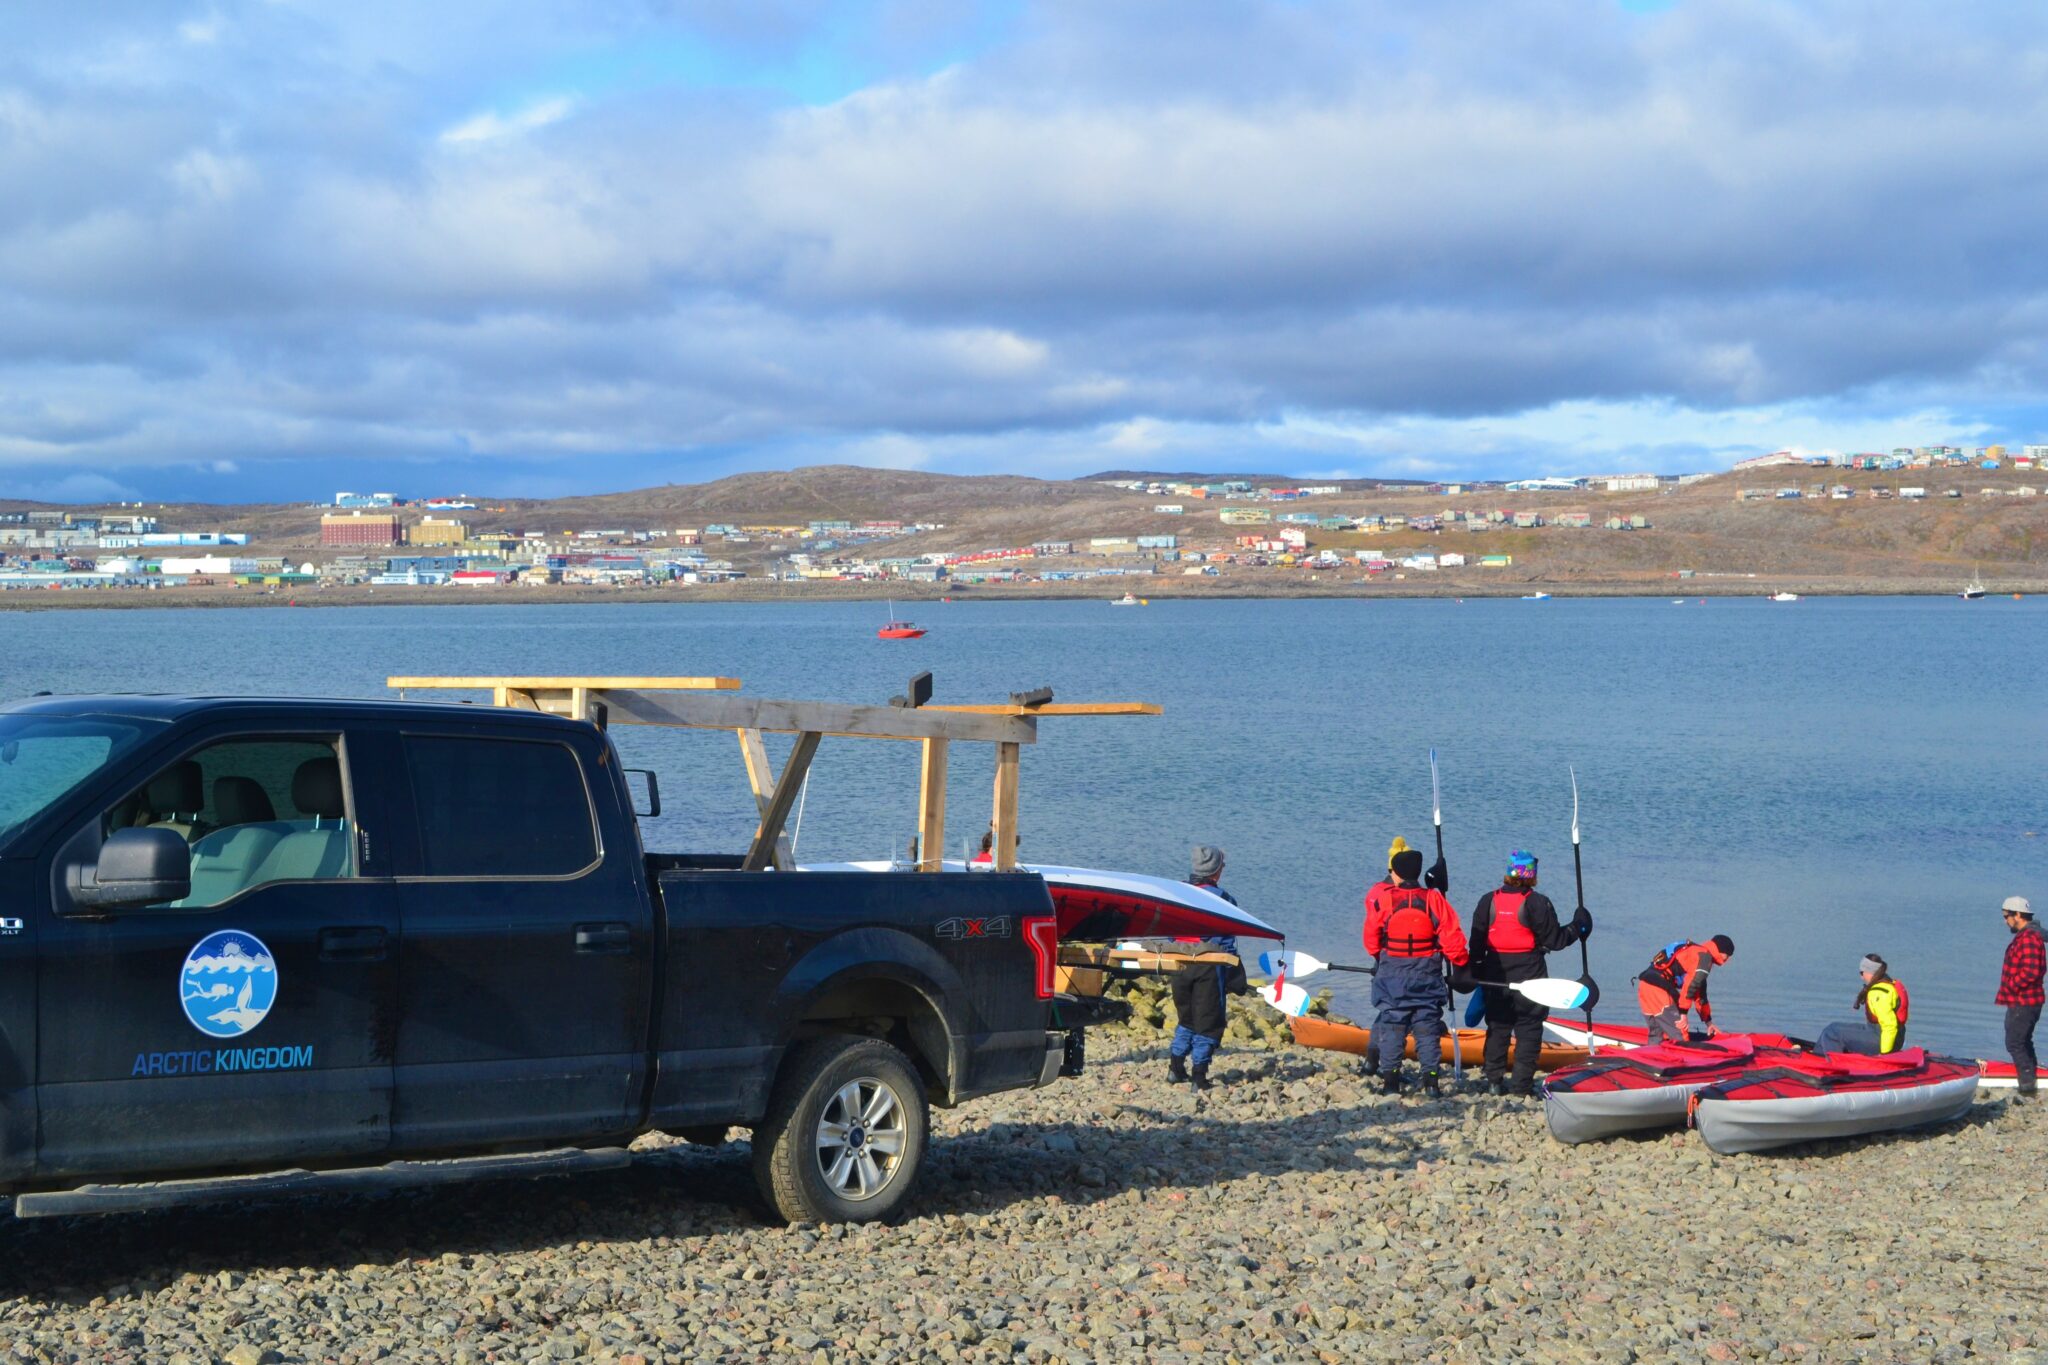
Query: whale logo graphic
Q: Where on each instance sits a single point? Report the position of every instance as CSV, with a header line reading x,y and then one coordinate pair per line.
x,y
228,983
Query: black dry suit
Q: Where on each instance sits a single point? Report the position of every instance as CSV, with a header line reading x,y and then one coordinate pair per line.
x,y
1511,931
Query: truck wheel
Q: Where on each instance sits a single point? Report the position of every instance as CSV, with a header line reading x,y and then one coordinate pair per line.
x,y
845,1134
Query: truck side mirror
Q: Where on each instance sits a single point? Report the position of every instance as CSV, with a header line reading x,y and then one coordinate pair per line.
x,y
653,794
136,867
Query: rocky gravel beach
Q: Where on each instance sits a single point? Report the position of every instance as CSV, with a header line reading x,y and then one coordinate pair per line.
x,y
1290,1214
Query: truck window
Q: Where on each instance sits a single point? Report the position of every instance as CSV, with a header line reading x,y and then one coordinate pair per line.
x,y
45,758
254,810
500,807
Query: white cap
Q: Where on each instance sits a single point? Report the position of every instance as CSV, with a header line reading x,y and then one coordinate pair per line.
x,y
2018,905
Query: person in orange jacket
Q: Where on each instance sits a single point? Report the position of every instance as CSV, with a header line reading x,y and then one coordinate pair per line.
x,y
1675,983
1412,930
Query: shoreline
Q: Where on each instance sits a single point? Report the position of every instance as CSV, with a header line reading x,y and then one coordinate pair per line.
x,y
1163,589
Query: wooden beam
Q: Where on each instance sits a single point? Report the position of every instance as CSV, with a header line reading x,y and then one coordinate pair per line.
x,y
779,805
1006,807
524,684
761,777
718,711
931,807
1055,708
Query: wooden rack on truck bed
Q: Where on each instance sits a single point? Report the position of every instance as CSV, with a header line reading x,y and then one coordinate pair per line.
x,y
701,703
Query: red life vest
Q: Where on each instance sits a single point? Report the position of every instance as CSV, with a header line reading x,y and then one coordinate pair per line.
x,y
1507,933
1411,929
1905,1005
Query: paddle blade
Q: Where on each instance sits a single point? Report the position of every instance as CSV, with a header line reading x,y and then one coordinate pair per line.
x,y
1288,963
1288,999
1552,992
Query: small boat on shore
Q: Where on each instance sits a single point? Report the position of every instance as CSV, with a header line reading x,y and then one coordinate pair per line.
x,y
1331,1036
1808,1098
1535,597
1784,597
1974,589
1130,600
1632,1089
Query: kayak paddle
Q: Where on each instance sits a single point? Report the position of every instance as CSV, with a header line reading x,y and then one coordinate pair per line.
x,y
1443,886
1551,992
1287,962
1579,878
1286,997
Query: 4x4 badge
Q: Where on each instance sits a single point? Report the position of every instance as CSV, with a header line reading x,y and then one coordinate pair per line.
x,y
959,927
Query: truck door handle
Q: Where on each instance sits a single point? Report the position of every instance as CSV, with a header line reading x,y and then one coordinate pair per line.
x,y
604,938
367,943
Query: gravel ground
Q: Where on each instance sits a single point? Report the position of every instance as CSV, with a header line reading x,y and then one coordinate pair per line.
x,y
1291,1214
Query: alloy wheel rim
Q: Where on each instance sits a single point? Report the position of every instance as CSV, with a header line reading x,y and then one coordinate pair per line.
x,y
862,1133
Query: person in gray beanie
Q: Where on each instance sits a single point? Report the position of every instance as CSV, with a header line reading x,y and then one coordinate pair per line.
x,y
1882,1028
1199,991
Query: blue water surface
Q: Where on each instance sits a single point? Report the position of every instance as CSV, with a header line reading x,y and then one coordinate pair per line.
x,y
1817,779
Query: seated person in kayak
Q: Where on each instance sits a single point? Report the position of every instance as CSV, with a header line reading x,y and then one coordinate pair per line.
x,y
1675,983
1200,991
1882,1028
1413,931
1512,929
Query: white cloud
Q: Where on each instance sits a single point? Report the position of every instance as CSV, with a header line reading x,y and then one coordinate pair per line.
x,y
490,126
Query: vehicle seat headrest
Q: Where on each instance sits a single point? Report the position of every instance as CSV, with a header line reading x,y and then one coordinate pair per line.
x,y
242,801
179,788
316,789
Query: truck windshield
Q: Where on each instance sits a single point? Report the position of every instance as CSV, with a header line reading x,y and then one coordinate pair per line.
x,y
44,758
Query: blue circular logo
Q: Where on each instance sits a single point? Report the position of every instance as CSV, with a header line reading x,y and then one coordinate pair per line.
x,y
228,983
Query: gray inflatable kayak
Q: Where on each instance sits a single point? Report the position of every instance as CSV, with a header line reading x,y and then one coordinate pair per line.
x,y
1640,1088
1773,1107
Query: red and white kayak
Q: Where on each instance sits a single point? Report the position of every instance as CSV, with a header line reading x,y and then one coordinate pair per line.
x,y
1628,1089
1806,1098
1094,905
1990,1075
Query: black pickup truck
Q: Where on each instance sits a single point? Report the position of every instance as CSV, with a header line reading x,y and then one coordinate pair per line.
x,y
253,946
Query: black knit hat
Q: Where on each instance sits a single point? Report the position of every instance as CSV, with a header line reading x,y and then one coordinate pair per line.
x,y
1407,864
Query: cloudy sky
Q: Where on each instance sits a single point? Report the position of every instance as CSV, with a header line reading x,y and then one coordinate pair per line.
x,y
269,249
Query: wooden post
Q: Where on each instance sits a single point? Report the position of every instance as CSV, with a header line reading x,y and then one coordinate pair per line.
x,y
761,777
780,804
931,807
1005,849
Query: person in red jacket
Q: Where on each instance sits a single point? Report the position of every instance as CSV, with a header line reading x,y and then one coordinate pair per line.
x,y
1675,983
1413,931
2020,990
1512,929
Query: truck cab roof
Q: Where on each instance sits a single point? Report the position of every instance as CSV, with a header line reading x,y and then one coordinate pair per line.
x,y
172,707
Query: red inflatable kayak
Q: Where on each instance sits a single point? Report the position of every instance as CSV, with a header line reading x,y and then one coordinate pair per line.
x,y
1633,1088
1990,1075
1807,1097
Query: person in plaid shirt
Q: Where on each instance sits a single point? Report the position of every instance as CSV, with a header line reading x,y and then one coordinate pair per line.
x,y
2019,988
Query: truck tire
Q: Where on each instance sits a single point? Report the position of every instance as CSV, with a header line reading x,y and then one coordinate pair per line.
x,y
844,1139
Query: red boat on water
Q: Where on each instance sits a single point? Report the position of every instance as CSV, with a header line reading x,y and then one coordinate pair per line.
x,y
899,630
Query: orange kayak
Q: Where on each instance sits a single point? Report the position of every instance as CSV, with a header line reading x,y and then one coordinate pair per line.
x,y
1470,1042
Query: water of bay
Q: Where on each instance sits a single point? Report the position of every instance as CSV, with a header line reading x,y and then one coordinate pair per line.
x,y
1817,779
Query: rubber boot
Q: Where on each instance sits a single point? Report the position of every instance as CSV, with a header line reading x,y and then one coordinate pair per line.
x,y
1177,1070
1431,1086
1523,1089
1202,1081
1390,1083
1497,1086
